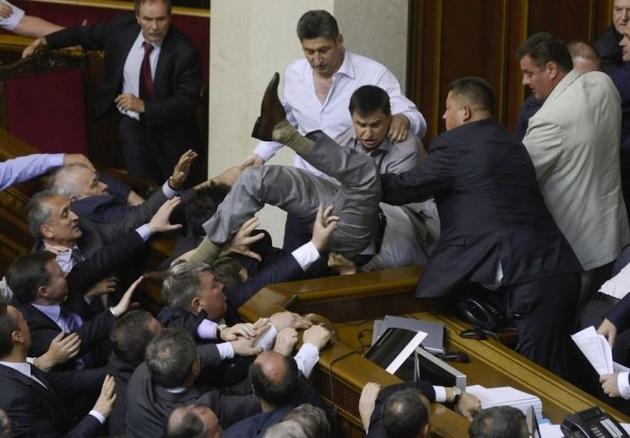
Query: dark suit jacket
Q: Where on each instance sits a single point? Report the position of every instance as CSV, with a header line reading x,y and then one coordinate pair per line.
x,y
35,411
44,329
607,45
490,210
376,429
110,208
256,425
282,268
153,403
102,258
177,79
121,371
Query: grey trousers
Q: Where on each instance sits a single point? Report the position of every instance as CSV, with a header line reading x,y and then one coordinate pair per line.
x,y
355,198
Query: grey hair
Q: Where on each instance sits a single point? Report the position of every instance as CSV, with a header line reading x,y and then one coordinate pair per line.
x,y
38,212
181,284
286,429
62,181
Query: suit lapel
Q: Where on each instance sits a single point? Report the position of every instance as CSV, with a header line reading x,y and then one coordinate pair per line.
x,y
164,60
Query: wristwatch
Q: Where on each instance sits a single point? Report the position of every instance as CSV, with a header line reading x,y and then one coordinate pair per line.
x,y
220,328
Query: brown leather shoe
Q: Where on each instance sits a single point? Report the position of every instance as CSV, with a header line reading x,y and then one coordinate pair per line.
x,y
271,111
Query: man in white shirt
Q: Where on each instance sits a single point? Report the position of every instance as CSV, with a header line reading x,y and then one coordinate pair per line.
x,y
317,91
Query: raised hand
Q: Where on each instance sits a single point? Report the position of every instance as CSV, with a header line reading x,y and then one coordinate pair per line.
x,y
243,239
182,169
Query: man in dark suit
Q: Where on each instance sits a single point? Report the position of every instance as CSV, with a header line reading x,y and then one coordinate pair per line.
x,y
40,289
94,200
279,386
30,397
495,227
87,251
152,76
398,410
166,380
386,412
129,338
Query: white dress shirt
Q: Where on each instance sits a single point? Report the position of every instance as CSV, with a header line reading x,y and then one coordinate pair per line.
x,y
131,72
306,112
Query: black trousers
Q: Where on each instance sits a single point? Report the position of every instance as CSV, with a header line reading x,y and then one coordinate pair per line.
x,y
543,312
152,152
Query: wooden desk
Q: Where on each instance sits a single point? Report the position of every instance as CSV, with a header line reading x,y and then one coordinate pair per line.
x,y
352,302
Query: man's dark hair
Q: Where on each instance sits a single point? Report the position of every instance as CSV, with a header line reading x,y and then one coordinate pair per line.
x,y
170,356
277,393
317,24
369,98
131,336
138,3
542,47
404,414
499,422
28,273
201,206
8,325
227,271
311,419
189,425
477,90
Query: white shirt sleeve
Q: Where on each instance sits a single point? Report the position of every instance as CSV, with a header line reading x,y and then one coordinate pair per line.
x,y
306,255
267,339
12,20
306,359
623,385
20,169
402,105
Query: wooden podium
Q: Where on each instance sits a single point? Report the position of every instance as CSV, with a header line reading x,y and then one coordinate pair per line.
x,y
352,302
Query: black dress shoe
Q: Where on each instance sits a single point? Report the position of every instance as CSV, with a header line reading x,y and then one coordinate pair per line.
x,y
271,111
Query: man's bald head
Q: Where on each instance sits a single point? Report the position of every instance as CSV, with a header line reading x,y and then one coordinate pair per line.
x,y
274,378
192,421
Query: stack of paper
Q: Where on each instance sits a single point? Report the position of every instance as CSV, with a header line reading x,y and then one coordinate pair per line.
x,y
597,350
506,396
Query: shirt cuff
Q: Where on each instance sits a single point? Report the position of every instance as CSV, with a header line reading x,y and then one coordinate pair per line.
x,y
306,255
623,385
266,340
207,329
144,232
307,358
97,415
56,160
266,149
168,191
226,351
440,394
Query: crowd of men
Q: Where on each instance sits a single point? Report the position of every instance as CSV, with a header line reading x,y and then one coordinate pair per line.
x,y
536,219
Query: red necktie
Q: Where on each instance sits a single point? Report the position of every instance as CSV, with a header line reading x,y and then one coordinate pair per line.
x,y
146,81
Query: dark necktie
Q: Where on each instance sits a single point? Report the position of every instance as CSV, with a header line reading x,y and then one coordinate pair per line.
x,y
146,81
73,320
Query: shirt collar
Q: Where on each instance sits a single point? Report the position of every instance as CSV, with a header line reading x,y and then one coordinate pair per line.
x,y
21,367
346,67
63,255
53,311
140,39
385,146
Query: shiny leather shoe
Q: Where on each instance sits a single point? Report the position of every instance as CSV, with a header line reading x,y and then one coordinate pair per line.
x,y
271,111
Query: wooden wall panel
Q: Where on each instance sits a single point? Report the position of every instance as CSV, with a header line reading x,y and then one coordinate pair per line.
x,y
449,39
